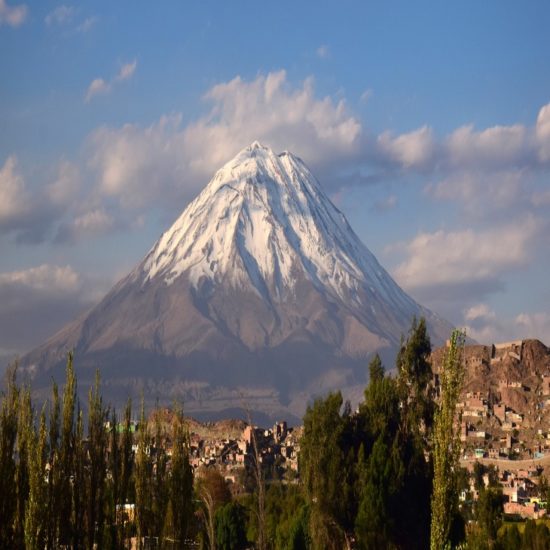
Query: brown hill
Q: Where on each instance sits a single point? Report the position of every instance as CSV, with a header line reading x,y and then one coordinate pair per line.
x,y
505,401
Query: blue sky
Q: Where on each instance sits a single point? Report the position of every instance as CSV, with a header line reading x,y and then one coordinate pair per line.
x,y
427,122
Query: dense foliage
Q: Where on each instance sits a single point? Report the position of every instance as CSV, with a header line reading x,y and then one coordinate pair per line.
x,y
64,487
365,474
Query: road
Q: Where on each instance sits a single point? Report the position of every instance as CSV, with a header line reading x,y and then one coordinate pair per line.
x,y
505,464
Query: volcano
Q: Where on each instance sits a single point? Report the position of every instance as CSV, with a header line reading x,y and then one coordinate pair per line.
x,y
260,294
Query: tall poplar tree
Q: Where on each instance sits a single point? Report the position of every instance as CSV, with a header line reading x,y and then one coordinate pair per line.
x,y
8,437
80,493
446,444
181,481
24,432
126,459
113,489
143,472
160,494
97,440
65,470
35,511
54,476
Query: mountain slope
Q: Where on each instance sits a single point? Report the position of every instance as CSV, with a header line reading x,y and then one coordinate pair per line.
x,y
260,288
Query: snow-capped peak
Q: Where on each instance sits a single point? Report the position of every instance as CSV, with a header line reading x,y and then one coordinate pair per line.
x,y
264,222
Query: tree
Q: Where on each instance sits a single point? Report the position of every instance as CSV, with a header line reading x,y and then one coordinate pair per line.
x,y
489,513
35,518
65,462
373,524
478,472
80,472
376,369
160,493
511,538
393,480
298,534
8,437
536,536
543,537
54,478
415,374
446,445
229,524
113,489
324,471
181,480
25,431
143,470
126,459
97,437
529,535
213,492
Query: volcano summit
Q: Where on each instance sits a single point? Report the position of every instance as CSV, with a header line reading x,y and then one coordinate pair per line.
x,y
260,292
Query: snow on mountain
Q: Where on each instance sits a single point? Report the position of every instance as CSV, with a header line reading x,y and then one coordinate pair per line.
x,y
269,212
260,287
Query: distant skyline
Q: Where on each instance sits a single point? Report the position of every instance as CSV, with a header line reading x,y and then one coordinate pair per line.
x,y
427,123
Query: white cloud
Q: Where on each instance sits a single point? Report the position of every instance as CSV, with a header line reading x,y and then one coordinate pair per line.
x,y
38,301
166,160
367,95
96,221
64,188
126,71
44,277
13,16
479,311
386,204
31,213
60,15
534,325
457,260
484,325
482,193
139,165
87,24
496,146
100,86
91,223
323,51
411,150
542,131
14,198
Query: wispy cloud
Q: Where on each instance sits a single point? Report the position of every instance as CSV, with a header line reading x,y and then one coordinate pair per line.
x,y
367,95
100,86
97,86
385,204
87,24
14,197
323,51
126,71
60,15
13,16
